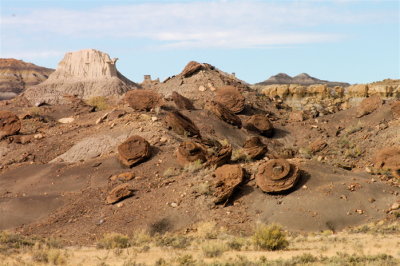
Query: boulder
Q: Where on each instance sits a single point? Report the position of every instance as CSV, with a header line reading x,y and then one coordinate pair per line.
x,y
254,148
220,155
142,100
389,159
260,124
10,124
182,125
190,151
182,102
369,105
277,175
297,116
78,105
134,150
317,145
228,177
395,108
191,68
231,98
119,193
223,113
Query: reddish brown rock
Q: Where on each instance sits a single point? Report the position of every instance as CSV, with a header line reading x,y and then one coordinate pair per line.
x,y
369,105
277,175
182,125
9,124
182,102
231,98
221,155
228,177
254,148
127,176
223,113
318,145
191,68
396,109
389,159
190,151
142,100
260,124
134,150
119,193
78,105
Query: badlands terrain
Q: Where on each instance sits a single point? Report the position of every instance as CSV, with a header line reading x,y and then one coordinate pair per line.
x,y
177,171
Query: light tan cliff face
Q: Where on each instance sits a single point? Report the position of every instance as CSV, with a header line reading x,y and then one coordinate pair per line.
x,y
86,73
17,75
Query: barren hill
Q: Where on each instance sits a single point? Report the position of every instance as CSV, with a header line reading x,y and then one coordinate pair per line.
x,y
17,75
301,79
85,73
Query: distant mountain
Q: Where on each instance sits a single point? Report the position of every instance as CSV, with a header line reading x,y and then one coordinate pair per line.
x,y
302,79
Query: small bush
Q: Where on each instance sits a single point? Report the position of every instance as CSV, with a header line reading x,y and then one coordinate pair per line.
x,y
203,188
14,241
98,102
236,244
239,155
113,240
270,237
56,257
193,167
186,260
213,249
40,256
172,171
174,241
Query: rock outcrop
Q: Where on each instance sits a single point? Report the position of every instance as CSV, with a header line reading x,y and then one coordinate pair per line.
x,y
181,124
254,148
223,113
261,125
368,105
182,102
134,150
189,152
389,159
231,98
17,75
86,74
301,79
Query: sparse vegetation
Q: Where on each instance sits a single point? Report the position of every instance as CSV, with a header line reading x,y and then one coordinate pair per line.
x,y
113,240
172,171
193,167
98,102
213,249
239,155
270,237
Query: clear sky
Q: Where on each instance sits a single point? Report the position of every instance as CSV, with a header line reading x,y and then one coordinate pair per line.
x,y
338,40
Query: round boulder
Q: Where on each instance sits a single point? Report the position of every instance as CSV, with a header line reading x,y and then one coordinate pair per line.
x,y
190,151
9,124
389,159
277,175
142,100
254,148
260,124
181,124
368,105
134,150
228,177
231,98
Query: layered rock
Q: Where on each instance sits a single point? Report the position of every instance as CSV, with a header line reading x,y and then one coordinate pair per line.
x,y
86,74
9,124
133,151
228,177
142,100
301,79
17,75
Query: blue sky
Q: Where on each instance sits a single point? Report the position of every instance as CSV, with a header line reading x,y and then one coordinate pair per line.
x,y
340,40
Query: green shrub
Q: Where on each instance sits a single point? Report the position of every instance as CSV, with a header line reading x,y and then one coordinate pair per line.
x,y
113,240
270,237
174,241
98,102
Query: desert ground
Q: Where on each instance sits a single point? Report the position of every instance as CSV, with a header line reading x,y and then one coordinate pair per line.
x,y
199,169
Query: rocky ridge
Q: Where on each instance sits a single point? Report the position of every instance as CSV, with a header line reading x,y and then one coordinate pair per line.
x,y
301,79
17,75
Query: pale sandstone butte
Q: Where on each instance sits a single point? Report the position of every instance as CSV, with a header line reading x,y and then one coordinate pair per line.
x,y
86,73
17,75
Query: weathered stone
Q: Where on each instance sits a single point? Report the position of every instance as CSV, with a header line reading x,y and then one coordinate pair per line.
x,y
260,124
395,108
182,102
142,100
9,124
231,98
190,151
119,193
134,150
191,68
358,90
66,120
78,105
318,145
223,113
277,175
127,176
389,159
254,148
369,105
228,177
220,155
181,124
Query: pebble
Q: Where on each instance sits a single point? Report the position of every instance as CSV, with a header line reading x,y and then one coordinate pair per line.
x,y
202,88
174,204
66,120
154,118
